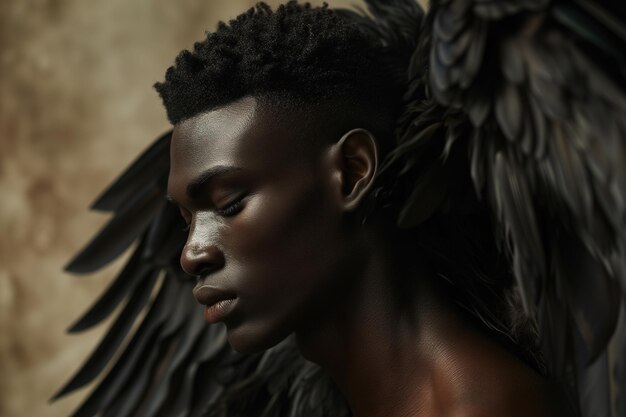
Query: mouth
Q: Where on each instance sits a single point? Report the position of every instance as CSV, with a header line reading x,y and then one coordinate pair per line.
x,y
219,303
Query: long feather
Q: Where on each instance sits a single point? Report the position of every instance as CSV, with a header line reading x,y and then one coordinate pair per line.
x,y
148,167
116,236
113,338
130,276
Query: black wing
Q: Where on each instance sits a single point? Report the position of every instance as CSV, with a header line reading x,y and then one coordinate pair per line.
x,y
531,94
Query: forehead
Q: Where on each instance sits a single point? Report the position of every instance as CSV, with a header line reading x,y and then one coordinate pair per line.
x,y
240,135
212,137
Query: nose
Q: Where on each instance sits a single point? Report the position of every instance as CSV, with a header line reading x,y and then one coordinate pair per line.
x,y
200,258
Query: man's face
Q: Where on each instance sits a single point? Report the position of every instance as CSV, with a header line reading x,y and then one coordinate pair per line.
x,y
265,229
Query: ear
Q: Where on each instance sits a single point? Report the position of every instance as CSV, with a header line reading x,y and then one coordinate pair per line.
x,y
355,159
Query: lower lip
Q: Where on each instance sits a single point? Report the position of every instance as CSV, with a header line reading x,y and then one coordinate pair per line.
x,y
218,311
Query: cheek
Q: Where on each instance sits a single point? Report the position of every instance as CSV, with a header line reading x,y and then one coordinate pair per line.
x,y
284,241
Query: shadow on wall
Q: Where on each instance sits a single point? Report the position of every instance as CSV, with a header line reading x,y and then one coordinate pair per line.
x,y
77,105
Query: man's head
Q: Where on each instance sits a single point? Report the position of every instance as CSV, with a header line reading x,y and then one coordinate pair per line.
x,y
299,57
300,100
279,121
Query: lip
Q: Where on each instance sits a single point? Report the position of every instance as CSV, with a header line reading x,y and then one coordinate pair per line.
x,y
219,303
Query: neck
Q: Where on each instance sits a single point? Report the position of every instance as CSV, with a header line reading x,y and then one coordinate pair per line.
x,y
397,359
376,350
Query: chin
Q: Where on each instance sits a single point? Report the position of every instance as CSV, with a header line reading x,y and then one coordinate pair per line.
x,y
254,338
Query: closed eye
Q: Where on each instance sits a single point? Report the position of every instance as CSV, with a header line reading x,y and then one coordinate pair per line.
x,y
230,210
233,208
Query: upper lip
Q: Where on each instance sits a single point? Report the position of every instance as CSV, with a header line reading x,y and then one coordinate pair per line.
x,y
208,295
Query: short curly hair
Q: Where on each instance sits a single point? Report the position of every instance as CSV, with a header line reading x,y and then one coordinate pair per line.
x,y
297,54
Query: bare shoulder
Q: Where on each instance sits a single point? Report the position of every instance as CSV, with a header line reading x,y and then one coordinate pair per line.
x,y
514,409
495,383
514,397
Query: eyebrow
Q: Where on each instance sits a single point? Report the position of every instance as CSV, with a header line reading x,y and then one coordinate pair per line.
x,y
195,186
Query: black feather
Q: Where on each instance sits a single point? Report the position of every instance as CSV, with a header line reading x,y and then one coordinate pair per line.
x,y
189,336
113,338
131,275
138,350
147,168
617,366
508,109
119,233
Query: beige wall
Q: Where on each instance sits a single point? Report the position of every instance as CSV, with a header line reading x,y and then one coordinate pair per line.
x,y
76,106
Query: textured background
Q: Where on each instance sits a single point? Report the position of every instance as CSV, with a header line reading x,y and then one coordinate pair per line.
x,y
76,106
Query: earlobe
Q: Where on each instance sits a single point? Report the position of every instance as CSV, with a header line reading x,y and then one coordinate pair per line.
x,y
357,163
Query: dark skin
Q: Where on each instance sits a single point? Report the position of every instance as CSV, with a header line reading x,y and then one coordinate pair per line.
x,y
278,233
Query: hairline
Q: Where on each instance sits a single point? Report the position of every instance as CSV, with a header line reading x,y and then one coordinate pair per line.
x,y
336,113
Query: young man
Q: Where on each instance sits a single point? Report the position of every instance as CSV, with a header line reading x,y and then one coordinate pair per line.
x,y
320,162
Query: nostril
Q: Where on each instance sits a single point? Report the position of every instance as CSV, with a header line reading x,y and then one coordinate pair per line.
x,y
205,270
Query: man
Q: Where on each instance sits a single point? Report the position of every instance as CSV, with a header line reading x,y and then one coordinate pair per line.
x,y
329,196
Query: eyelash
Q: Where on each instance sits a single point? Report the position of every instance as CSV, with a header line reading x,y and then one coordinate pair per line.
x,y
232,209
227,211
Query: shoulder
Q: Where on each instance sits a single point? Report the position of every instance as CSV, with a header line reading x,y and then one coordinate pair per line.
x,y
541,399
496,383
